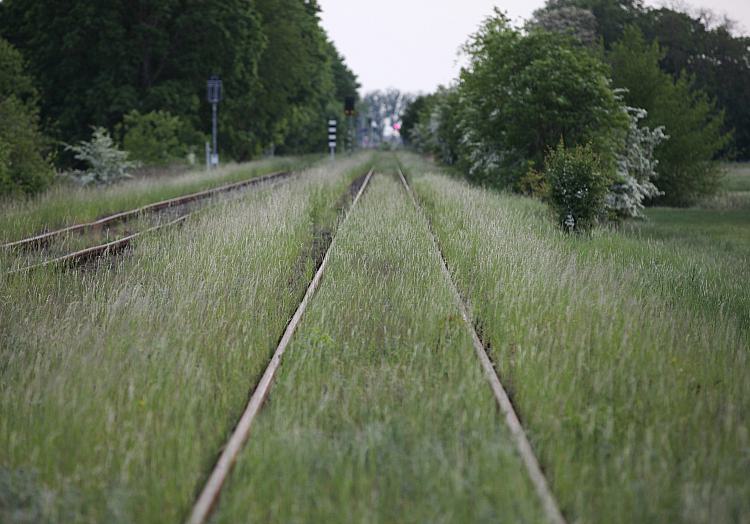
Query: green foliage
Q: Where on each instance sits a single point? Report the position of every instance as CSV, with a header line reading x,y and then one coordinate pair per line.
x,y
707,47
686,168
97,62
577,186
23,165
158,138
106,163
522,93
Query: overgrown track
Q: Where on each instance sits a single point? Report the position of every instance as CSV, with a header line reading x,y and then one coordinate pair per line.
x,y
211,491
43,239
523,445
118,245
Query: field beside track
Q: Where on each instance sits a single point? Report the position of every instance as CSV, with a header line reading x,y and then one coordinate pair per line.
x,y
624,352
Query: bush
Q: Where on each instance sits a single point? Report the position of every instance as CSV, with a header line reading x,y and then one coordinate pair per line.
x,y
158,138
107,164
577,186
24,167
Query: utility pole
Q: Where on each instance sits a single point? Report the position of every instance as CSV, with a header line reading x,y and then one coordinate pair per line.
x,y
214,97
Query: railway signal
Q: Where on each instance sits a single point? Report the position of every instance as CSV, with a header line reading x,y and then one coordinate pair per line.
x,y
213,95
350,103
332,138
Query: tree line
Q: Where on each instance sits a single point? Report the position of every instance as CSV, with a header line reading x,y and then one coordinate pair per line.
x,y
139,70
653,95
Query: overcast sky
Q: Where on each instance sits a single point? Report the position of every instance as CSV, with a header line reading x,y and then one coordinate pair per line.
x,y
413,44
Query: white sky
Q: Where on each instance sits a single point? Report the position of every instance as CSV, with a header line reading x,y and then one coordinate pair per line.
x,y
413,44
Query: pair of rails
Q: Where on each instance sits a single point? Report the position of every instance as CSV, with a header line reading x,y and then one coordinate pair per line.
x,y
181,204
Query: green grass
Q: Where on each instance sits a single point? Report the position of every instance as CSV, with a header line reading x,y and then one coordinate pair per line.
x,y
625,353
381,412
65,205
736,177
118,386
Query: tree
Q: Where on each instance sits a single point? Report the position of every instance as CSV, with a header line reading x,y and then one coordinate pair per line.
x,y
567,19
611,16
686,170
717,62
97,61
23,164
522,93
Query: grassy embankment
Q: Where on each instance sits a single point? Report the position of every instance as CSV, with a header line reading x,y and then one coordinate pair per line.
x,y
118,387
65,205
626,353
381,412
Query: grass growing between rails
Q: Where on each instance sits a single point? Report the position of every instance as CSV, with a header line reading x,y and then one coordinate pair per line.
x,y
626,357
118,387
381,412
65,205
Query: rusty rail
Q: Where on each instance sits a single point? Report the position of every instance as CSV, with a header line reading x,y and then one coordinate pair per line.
x,y
525,451
123,216
209,495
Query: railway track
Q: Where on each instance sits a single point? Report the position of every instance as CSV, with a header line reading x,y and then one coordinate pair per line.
x,y
211,491
526,452
111,247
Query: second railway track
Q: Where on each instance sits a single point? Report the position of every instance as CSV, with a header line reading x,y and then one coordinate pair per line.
x,y
180,207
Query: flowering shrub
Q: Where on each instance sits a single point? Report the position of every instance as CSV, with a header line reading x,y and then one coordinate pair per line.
x,y
636,168
107,163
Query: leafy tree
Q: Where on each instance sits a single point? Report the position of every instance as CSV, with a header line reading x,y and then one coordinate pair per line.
x,y
611,16
567,19
686,170
522,93
418,110
717,61
23,165
97,61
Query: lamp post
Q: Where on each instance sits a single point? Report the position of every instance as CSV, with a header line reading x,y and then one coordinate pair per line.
x,y
213,95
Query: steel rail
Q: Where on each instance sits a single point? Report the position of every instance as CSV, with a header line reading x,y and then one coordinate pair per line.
x,y
211,491
124,216
512,421
89,253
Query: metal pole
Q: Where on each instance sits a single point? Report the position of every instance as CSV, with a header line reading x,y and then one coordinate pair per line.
x,y
214,149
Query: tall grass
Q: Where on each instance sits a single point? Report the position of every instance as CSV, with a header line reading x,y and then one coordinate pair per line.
x,y
66,204
626,357
118,386
381,412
